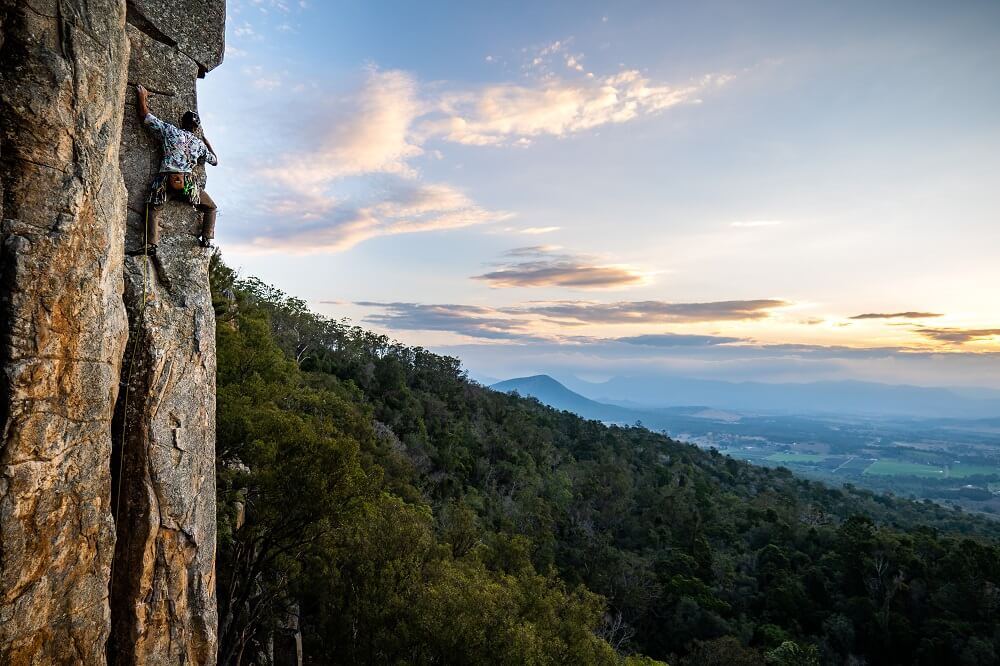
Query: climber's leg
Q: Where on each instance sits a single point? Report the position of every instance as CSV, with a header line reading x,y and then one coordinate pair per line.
x,y
208,209
152,226
149,235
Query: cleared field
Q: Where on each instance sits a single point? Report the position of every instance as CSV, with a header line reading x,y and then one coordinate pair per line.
x,y
961,471
901,468
796,457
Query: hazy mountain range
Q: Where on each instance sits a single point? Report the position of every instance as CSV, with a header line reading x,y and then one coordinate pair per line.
x,y
626,398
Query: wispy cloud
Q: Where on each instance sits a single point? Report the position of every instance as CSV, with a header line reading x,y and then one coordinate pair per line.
x,y
897,315
678,340
556,320
650,312
382,130
544,268
958,335
534,231
511,112
370,134
755,223
468,320
311,224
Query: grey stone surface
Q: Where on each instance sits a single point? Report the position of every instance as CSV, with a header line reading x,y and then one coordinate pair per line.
x,y
70,145
163,592
62,322
197,27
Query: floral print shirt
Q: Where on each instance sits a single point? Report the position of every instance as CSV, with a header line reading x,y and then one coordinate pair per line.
x,y
181,149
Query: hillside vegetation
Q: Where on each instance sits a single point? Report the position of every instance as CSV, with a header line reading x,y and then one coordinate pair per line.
x,y
410,516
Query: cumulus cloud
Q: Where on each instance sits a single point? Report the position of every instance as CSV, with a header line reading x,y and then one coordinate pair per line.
x,y
540,266
370,136
958,335
897,315
318,187
636,312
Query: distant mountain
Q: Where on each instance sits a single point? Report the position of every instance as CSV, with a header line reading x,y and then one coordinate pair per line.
x,y
842,397
550,392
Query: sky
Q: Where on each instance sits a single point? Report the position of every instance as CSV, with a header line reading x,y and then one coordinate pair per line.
x,y
769,191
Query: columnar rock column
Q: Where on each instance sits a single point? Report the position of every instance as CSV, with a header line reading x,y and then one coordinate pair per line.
x,y
163,587
62,322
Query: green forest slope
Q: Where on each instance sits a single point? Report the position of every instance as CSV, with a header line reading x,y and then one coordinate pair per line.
x,y
411,516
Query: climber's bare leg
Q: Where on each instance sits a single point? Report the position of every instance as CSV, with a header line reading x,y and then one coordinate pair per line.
x,y
208,209
150,235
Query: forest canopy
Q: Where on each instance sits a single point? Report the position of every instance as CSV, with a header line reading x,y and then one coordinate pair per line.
x,y
398,513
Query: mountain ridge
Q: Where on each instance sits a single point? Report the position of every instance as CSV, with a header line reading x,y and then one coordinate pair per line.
x,y
845,396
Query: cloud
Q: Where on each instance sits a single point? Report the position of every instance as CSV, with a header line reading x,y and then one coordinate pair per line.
x,y
245,30
505,113
897,315
534,231
520,322
678,340
756,223
732,362
310,224
368,134
321,186
543,268
958,335
468,320
648,312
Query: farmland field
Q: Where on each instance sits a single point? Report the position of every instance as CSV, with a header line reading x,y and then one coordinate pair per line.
x,y
962,471
796,458
902,468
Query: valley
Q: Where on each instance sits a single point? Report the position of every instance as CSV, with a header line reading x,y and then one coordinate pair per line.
x,y
951,461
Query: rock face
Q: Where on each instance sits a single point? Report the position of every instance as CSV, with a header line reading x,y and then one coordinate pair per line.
x,y
163,592
75,165
62,83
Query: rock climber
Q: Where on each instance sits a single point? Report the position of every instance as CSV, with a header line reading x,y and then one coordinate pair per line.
x,y
182,150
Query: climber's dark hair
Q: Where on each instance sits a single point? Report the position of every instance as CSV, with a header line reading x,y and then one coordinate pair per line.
x,y
190,121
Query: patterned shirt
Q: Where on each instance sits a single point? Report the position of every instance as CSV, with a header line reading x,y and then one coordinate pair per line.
x,y
181,149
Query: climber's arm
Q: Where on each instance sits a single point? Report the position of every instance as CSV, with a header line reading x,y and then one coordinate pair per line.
x,y
148,119
210,156
143,96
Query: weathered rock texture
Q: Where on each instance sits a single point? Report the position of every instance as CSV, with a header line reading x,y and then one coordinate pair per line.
x,y
163,589
62,83
70,145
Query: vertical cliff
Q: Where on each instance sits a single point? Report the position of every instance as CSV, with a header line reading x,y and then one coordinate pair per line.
x,y
62,84
163,587
107,451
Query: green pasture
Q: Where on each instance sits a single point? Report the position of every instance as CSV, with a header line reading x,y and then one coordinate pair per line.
x,y
962,470
796,457
903,468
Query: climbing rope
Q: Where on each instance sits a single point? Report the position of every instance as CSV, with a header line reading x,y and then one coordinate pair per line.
x,y
128,382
